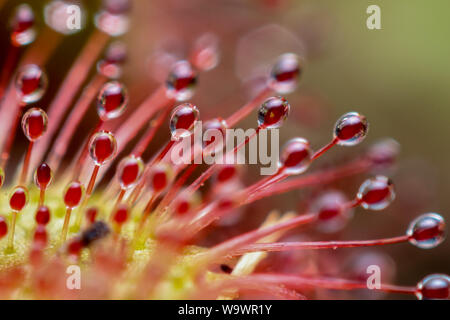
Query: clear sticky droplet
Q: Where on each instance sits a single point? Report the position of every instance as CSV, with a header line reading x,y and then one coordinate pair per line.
x,y
351,129
376,193
181,82
22,26
130,171
111,64
206,54
73,193
332,212
296,156
43,176
183,120
102,147
30,83
160,177
112,100
121,214
434,286
34,123
273,112
384,152
18,199
427,231
285,74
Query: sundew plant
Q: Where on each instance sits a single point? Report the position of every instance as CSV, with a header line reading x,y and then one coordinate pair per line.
x,y
95,205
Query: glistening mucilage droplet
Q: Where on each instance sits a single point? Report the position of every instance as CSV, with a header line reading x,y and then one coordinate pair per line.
x,y
30,83
273,112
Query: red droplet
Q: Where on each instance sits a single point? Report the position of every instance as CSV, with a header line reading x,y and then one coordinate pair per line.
x,y
35,123
384,152
427,229
183,207
182,77
30,80
351,129
332,211
103,147
273,112
91,214
74,247
295,153
43,176
185,117
225,204
111,100
329,212
226,173
121,215
286,69
23,19
42,215
73,195
159,180
130,172
3,227
378,192
111,64
287,75
18,199
437,287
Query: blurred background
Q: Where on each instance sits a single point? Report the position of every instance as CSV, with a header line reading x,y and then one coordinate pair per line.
x,y
398,77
